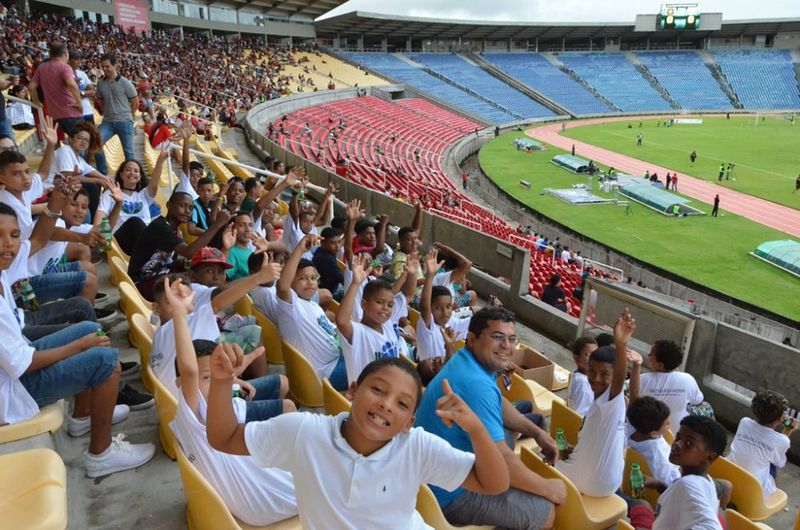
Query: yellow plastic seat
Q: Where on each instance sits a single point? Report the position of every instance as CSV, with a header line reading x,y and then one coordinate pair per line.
x,y
304,384
116,250
567,419
205,509
119,270
635,457
132,302
797,522
579,511
544,397
748,496
622,524
525,390
335,402
33,490
270,338
244,306
737,521
333,307
166,405
49,419
141,336
431,513
413,317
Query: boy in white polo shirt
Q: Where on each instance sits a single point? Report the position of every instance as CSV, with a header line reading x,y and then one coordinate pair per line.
x,y
579,394
649,417
360,469
760,445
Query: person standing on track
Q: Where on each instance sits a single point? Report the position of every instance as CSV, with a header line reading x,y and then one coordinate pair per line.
x,y
674,182
715,211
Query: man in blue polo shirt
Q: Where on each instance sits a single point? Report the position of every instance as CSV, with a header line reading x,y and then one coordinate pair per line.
x,y
472,373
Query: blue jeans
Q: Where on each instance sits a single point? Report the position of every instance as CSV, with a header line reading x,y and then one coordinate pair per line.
x,y
70,376
68,124
123,129
338,377
5,129
267,402
55,285
56,316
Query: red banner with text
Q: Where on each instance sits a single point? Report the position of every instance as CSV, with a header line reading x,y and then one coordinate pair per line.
x,y
132,15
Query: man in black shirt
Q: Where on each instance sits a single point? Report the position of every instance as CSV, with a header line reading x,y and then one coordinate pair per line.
x,y
330,276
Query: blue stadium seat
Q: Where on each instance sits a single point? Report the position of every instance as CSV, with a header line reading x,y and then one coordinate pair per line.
x,y
763,79
687,79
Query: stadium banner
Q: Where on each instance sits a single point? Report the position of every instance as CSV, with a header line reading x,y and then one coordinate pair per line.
x,y
132,15
694,121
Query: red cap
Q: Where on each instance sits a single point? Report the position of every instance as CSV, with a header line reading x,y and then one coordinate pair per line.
x,y
209,255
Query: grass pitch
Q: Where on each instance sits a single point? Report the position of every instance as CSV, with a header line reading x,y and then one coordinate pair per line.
x,y
709,251
767,155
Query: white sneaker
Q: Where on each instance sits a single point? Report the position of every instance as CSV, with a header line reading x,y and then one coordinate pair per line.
x,y
80,426
119,456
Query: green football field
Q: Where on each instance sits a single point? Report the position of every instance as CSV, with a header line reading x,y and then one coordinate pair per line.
x,y
709,251
767,155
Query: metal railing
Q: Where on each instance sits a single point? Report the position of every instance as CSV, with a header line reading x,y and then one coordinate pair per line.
x,y
39,109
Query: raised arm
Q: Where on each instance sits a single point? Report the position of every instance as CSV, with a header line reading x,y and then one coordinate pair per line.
x,y
344,317
185,354
409,276
155,179
636,379
353,213
324,207
235,291
186,137
463,265
224,433
380,239
187,250
432,265
623,331
416,224
113,215
284,285
295,177
51,138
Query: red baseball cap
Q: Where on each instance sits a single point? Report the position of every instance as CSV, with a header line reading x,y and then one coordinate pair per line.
x,y
209,255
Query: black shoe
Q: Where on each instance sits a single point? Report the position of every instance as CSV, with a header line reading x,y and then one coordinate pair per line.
x,y
105,315
129,367
134,399
100,297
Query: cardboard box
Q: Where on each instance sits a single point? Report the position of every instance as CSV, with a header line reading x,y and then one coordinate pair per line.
x,y
530,364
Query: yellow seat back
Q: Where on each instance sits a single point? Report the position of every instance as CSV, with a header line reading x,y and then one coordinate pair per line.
x,y
579,511
33,490
566,418
431,513
748,496
635,457
413,317
333,307
335,402
270,338
737,521
132,302
141,337
166,405
622,524
49,419
119,270
244,306
303,381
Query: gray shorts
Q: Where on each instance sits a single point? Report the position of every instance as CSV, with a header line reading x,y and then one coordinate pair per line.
x,y
515,509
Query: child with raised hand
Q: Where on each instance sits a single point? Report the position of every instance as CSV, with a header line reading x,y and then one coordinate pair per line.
x,y
579,394
690,503
596,464
256,495
378,334
363,468
760,445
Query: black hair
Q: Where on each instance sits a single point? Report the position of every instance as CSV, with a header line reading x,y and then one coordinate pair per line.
x,y
57,48
160,285
425,373
305,263
374,286
240,213
177,195
440,290
554,279
306,213
768,406
255,261
250,184
5,209
405,230
480,320
668,353
580,343
339,222
142,175
235,180
110,57
604,354
202,348
647,414
397,362
204,180
81,191
604,339
362,225
11,157
330,232
194,165
710,431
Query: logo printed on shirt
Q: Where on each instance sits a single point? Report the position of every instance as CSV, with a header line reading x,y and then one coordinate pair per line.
x,y
132,207
325,324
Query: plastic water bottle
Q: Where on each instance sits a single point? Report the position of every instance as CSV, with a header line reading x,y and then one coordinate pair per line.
x,y
637,482
236,390
24,291
105,231
561,443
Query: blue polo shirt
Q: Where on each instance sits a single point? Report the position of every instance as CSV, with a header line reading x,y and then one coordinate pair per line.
x,y
477,386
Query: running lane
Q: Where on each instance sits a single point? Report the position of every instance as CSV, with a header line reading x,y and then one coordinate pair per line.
x,y
762,211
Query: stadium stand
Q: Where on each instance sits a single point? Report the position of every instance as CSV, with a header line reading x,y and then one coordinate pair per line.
x,y
539,73
615,77
405,72
465,73
763,79
687,79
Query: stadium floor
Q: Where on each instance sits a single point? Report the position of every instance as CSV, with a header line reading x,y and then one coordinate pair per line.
x,y
759,210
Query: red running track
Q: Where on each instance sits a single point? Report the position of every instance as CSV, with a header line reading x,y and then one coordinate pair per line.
x,y
762,211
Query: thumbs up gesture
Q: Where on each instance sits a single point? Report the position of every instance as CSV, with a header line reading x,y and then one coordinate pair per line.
x,y
452,410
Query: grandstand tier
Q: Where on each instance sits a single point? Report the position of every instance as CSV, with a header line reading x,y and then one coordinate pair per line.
x,y
687,79
763,79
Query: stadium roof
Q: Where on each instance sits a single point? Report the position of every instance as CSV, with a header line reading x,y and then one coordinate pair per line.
x,y
309,9
361,22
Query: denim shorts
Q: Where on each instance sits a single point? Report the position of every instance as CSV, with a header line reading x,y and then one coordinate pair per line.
x,y
338,377
66,266
267,402
57,285
70,376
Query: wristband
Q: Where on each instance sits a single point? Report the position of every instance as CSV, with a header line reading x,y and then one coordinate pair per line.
x,y
51,214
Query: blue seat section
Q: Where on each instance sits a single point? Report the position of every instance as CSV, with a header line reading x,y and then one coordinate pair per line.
x,y
763,79
615,77
540,74
687,79
469,75
416,77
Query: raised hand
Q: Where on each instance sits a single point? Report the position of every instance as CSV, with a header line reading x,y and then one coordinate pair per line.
x,y
624,328
226,362
413,264
179,297
228,238
269,271
353,210
449,336
295,176
186,131
49,132
163,154
333,188
116,192
452,410
634,357
223,216
432,263
361,268
309,241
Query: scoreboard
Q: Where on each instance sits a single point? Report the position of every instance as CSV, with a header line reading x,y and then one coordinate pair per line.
x,y
678,16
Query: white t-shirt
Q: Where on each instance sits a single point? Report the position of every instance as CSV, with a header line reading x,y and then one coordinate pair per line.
x,y
256,495
579,395
83,83
430,342
337,487
135,204
292,233
16,354
202,325
596,464
755,447
369,345
304,325
23,208
265,299
656,454
66,160
185,185
689,504
676,389
49,257
565,256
